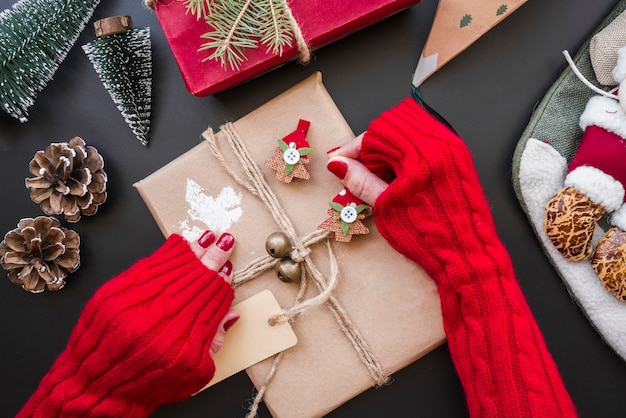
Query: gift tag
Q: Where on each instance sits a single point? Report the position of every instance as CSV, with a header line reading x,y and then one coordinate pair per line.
x,y
252,339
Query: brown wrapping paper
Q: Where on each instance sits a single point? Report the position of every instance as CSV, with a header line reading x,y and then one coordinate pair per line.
x,y
390,300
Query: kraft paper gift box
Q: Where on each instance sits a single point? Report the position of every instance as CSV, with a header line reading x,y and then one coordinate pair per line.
x,y
321,22
388,301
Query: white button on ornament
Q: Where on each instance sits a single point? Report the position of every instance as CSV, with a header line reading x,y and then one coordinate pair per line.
x,y
348,213
291,154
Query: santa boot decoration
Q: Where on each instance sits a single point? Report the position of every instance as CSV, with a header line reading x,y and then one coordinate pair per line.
x,y
609,258
595,182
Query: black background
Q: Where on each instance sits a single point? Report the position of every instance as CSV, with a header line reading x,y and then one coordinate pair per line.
x,y
487,94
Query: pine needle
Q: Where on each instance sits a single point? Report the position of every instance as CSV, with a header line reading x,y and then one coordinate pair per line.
x,y
199,8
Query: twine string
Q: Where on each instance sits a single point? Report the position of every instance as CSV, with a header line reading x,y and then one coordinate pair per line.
x,y
304,50
322,296
254,407
255,183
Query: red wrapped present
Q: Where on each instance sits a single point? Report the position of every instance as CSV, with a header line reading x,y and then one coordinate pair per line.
x,y
320,22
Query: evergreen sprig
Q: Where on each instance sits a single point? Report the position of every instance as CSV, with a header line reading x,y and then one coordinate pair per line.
x,y
239,25
35,37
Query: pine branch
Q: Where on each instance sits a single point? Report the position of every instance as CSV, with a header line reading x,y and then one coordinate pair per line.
x,y
276,27
234,24
239,25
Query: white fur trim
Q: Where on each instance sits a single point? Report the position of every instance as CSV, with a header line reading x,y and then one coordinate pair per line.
x,y
540,175
598,186
619,72
618,218
605,113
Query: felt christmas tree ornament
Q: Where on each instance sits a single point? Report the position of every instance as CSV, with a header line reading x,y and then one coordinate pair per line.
x,y
434,212
291,155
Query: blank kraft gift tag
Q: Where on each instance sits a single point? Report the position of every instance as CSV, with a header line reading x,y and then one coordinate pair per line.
x,y
252,339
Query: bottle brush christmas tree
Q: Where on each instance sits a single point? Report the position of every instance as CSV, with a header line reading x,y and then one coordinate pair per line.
x,y
35,37
122,57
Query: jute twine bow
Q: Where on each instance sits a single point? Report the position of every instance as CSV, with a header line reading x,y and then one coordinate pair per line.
x,y
304,51
255,183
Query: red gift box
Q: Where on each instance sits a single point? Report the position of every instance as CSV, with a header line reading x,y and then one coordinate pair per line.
x,y
321,22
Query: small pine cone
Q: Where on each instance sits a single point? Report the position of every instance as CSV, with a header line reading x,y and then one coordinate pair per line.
x,y
69,179
40,253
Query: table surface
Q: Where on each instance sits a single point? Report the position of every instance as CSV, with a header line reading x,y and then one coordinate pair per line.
x,y
487,93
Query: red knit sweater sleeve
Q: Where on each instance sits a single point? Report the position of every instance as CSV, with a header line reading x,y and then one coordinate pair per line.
x,y
435,213
142,341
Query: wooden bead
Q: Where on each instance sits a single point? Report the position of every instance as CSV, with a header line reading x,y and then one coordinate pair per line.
x,y
112,25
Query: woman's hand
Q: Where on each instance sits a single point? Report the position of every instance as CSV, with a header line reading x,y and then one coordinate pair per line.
x,y
429,205
147,336
344,163
214,253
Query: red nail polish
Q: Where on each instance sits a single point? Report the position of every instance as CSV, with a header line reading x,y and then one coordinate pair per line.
x,y
332,150
206,239
227,268
230,323
338,168
225,242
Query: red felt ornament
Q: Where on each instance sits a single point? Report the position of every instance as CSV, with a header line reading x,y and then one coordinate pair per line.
x,y
291,155
346,216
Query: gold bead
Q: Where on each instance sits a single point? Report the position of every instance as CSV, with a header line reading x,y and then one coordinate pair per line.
x,y
288,270
278,244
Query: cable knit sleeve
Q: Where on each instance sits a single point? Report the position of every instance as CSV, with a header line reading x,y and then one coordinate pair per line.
x,y
435,213
142,341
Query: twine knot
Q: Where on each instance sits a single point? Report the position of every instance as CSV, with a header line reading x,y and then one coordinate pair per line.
x,y
299,254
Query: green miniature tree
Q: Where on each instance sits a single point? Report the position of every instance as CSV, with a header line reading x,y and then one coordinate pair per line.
x,y
35,37
123,61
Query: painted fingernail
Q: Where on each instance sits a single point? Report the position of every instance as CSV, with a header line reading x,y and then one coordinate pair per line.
x,y
338,168
206,239
230,323
225,242
227,268
330,151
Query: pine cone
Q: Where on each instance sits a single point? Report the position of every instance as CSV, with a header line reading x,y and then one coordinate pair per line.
x,y
69,179
40,253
